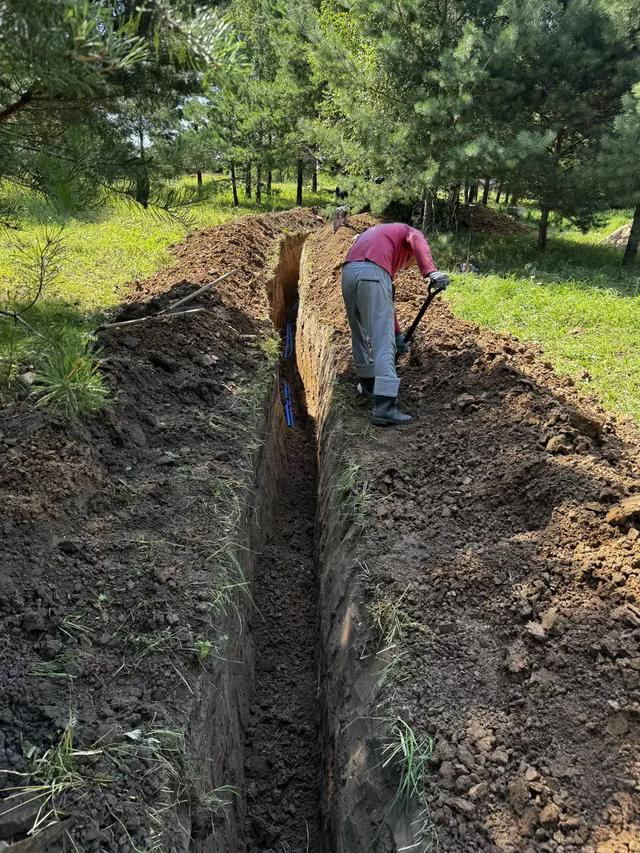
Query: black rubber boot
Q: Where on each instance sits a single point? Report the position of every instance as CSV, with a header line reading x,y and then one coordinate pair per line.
x,y
365,387
387,413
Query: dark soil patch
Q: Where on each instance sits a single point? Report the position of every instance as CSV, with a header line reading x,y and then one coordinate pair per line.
x,y
282,739
520,653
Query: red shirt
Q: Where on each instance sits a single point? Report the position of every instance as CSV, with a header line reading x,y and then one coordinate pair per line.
x,y
393,247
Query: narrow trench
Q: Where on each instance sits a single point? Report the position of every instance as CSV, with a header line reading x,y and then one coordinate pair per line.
x,y
282,752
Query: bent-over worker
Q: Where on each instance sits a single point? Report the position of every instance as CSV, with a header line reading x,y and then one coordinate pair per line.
x,y
367,287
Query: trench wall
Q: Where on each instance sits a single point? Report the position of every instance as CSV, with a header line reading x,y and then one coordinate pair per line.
x,y
219,719
358,794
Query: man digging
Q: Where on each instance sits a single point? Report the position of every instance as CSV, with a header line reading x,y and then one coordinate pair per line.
x,y
367,287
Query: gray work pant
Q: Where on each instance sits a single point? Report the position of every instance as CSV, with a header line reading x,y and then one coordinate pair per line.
x,y
368,296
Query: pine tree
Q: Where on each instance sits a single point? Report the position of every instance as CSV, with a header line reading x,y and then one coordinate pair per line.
x,y
619,167
557,72
77,76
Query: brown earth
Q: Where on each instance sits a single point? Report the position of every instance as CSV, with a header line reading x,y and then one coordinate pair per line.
x,y
515,602
120,652
479,534
486,220
620,237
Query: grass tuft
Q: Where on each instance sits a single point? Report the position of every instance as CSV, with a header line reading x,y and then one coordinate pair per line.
x,y
68,379
410,755
353,495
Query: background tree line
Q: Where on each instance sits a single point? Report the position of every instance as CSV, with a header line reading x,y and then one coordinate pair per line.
x,y
535,99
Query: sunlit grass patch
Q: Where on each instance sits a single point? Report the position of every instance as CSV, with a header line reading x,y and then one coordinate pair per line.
x,y
575,300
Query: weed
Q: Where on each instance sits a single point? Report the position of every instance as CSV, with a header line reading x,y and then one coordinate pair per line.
x,y
61,771
389,619
71,625
410,756
218,800
203,649
68,379
353,494
271,346
59,667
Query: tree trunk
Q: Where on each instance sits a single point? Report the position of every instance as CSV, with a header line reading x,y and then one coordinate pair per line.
x,y
631,251
466,192
473,194
452,204
259,184
514,199
234,185
247,181
498,193
199,177
314,177
300,183
269,181
427,210
142,181
543,228
485,191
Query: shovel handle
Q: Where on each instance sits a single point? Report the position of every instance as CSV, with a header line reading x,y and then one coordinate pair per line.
x,y
431,295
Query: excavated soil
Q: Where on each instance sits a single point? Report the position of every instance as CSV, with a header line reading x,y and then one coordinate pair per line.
x,y
124,641
515,602
479,534
485,220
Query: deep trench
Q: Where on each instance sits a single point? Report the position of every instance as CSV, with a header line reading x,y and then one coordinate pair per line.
x,y
282,752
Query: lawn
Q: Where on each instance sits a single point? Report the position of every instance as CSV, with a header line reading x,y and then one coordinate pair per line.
x,y
575,300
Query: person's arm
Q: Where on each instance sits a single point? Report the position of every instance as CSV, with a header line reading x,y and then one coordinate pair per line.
x,y
420,248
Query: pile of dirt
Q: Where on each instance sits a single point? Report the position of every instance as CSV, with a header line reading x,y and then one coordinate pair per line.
x,y
512,589
116,557
486,220
620,236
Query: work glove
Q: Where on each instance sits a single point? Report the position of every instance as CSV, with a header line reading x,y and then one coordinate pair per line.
x,y
402,347
439,280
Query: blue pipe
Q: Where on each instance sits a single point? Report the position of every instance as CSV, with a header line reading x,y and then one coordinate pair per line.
x,y
288,406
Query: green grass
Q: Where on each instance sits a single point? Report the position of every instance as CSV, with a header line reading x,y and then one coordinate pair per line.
x,y
104,253
575,300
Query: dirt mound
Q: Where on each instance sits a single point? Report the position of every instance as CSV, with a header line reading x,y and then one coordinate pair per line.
x,y
506,602
620,236
118,559
485,220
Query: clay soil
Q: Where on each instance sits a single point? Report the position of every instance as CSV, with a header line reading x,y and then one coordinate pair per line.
x,y
111,537
518,659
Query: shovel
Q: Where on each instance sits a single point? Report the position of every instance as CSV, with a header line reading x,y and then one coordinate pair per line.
x,y
431,295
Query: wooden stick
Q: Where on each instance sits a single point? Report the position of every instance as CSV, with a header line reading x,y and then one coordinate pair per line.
x,y
196,293
150,317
